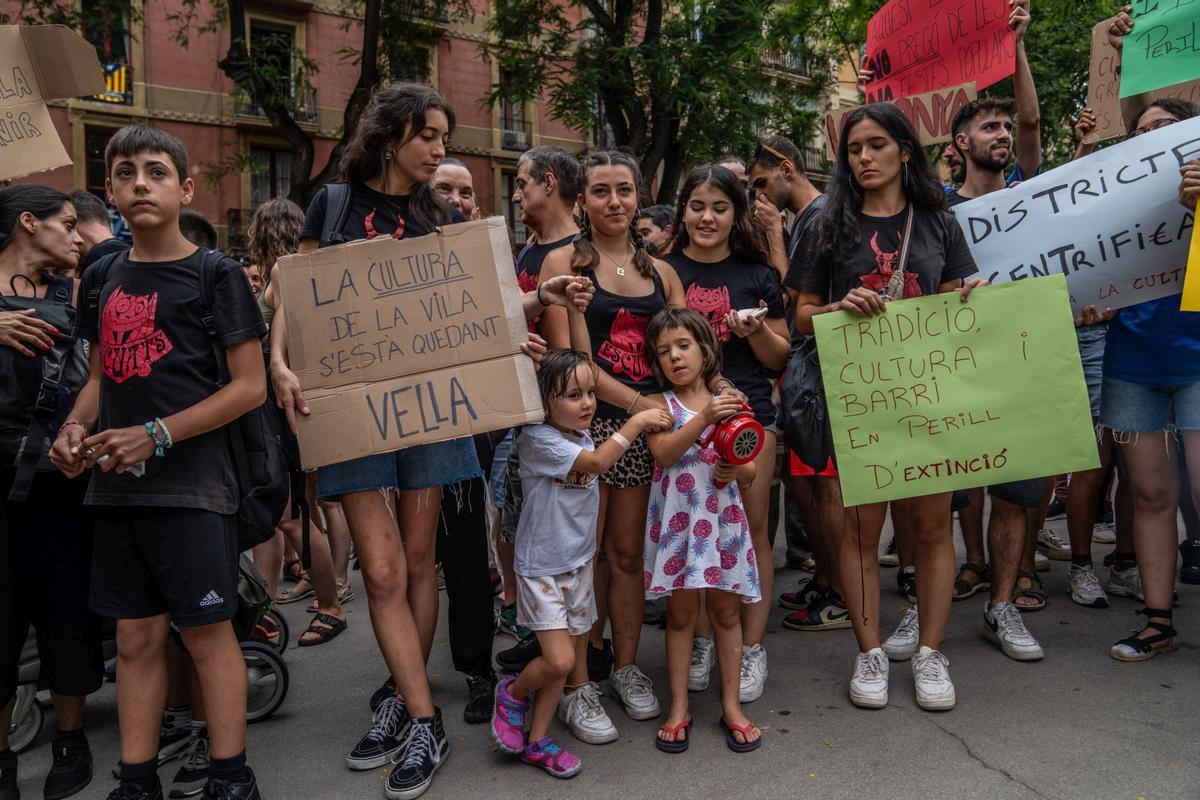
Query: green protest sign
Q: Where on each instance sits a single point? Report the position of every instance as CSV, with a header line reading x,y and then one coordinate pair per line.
x,y
1163,49
936,394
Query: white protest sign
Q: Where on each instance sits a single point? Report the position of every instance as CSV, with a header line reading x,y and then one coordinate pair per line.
x,y
1110,222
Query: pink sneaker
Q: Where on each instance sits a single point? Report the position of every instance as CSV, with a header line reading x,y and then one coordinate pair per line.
x,y
508,719
549,756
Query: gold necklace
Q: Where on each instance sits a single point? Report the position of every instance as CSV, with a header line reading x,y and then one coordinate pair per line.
x,y
620,267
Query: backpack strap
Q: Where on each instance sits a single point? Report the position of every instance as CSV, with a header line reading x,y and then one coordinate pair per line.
x,y
337,212
45,407
101,267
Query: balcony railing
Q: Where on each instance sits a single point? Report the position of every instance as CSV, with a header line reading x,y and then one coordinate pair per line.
x,y
432,10
303,108
815,162
118,85
789,61
516,135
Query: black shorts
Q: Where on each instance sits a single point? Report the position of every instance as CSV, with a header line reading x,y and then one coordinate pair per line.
x,y
45,562
1026,494
178,561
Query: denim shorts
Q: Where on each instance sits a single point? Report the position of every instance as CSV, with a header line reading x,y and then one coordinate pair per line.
x,y
419,467
1128,407
1091,353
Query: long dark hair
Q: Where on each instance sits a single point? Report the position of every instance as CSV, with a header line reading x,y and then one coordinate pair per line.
x,y
586,256
743,243
41,201
839,229
396,111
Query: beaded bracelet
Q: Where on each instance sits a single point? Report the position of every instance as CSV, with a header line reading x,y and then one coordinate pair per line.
x,y
158,433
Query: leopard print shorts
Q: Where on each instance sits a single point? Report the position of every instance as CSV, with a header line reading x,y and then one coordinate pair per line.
x,y
635,468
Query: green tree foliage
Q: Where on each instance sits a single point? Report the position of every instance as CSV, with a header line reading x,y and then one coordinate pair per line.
x,y
677,83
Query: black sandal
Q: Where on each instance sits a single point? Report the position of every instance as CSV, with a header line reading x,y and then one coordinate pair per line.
x,y
1035,592
1135,649
964,588
328,629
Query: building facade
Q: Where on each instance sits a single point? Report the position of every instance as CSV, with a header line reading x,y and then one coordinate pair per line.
x,y
237,159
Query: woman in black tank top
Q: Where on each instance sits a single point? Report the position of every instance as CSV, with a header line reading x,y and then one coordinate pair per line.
x,y
45,540
631,286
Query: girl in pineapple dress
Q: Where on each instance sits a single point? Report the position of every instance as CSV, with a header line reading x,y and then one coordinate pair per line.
x,y
697,536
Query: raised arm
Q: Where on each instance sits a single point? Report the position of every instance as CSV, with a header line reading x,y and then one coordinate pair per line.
x,y
1029,131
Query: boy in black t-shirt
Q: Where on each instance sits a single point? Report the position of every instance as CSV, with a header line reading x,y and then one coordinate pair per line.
x,y
150,419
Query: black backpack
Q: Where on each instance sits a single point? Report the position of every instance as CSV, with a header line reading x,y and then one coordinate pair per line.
x,y
259,461
337,212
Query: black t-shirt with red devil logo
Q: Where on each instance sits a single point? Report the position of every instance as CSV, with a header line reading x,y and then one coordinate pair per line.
x,y
617,327
714,290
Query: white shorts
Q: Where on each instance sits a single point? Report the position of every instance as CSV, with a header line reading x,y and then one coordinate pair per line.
x,y
557,602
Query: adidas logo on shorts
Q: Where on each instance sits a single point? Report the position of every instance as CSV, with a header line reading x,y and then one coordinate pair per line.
x,y
211,599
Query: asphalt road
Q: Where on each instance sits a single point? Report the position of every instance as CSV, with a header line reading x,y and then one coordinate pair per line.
x,y
1076,725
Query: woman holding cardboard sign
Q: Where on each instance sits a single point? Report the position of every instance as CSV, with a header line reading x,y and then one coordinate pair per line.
x,y
885,234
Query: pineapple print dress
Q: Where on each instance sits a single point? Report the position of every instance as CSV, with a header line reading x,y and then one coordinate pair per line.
x,y
697,536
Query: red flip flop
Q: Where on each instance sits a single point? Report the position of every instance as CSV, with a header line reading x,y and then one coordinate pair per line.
x,y
744,730
675,745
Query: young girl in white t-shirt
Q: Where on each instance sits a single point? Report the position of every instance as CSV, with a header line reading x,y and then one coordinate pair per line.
x,y
555,544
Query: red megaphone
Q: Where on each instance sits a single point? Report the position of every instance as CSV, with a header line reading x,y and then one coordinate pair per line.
x,y
737,439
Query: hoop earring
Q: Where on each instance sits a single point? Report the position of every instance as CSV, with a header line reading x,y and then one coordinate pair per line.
x,y
906,173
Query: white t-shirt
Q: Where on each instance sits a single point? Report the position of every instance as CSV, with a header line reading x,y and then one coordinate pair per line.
x,y
557,530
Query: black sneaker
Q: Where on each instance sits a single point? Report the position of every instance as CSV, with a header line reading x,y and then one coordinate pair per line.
x,y
386,738
481,690
192,776
219,789
131,791
654,611
383,693
906,581
8,782
72,768
427,750
1057,509
516,657
599,661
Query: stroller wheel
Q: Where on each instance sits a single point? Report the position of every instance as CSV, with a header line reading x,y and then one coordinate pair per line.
x,y
266,680
27,718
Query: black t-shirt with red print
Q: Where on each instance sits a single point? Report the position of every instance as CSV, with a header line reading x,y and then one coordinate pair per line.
x,y
617,327
156,360
371,214
938,254
529,267
713,290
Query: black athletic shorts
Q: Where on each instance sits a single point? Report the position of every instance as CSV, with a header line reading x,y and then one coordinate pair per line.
x,y
178,561
1026,494
45,562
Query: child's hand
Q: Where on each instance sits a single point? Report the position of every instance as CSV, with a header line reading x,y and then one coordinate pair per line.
x,y
123,446
67,451
721,406
654,420
724,473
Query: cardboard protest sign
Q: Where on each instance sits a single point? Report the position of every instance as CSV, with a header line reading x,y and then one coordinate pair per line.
x,y
930,114
1104,84
1191,284
935,394
404,342
919,46
39,63
1109,222
1163,48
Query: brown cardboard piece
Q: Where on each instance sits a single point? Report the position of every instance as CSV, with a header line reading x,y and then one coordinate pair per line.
x,y
404,342
39,63
930,114
1104,88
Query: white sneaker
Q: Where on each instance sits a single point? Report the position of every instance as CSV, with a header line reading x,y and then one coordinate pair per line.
x,y
1052,545
635,691
1041,563
1003,625
583,715
754,673
1085,587
901,645
1125,582
931,677
1104,533
701,664
869,683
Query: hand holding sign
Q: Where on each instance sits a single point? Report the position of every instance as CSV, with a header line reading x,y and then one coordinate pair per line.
x,y
1163,49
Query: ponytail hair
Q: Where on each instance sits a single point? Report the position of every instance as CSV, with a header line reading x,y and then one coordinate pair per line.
x,y
586,257
41,201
